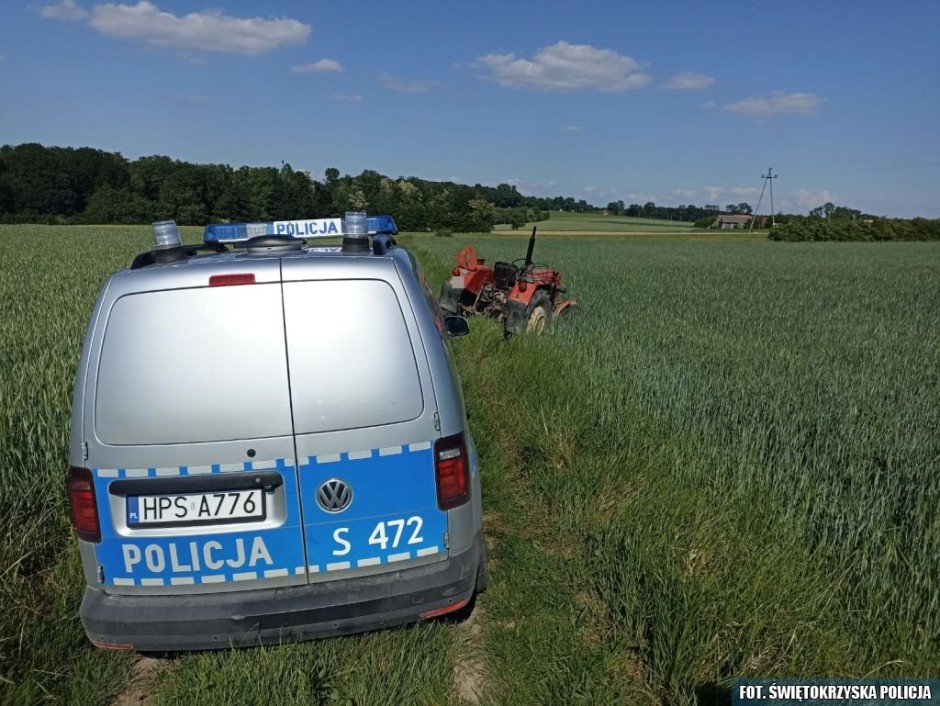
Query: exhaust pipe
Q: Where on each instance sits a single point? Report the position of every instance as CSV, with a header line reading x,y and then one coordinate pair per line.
x,y
528,253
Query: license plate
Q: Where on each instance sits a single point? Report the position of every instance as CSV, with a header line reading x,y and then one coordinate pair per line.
x,y
195,508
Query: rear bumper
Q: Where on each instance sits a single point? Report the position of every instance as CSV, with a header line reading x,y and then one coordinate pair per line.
x,y
241,619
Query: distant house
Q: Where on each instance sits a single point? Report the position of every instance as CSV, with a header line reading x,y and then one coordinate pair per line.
x,y
730,222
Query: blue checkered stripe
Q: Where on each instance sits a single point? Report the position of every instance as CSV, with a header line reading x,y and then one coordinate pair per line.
x,y
393,487
191,556
279,464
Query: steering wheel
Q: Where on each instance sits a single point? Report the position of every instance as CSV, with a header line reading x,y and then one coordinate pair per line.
x,y
524,269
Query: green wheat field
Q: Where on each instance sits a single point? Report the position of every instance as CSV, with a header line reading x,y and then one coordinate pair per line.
x,y
724,463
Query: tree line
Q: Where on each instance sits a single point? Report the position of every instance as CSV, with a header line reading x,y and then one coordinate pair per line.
x,y
41,184
816,227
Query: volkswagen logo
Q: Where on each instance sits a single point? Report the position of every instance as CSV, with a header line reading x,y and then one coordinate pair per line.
x,y
334,495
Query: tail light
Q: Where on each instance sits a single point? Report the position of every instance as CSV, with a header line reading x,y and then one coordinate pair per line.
x,y
81,488
451,471
228,280
452,608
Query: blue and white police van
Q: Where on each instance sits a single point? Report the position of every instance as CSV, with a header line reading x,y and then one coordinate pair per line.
x,y
269,442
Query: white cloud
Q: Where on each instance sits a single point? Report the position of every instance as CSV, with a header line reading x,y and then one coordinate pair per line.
x,y
809,199
571,128
566,67
747,192
531,188
713,193
205,31
775,103
689,81
66,10
407,86
322,66
685,193
347,97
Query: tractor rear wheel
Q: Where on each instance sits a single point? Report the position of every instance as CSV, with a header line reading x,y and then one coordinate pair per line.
x,y
539,312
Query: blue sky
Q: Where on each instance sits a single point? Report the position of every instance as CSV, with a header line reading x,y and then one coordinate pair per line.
x,y
674,102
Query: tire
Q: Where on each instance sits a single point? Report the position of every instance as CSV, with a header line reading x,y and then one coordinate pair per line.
x,y
538,313
483,576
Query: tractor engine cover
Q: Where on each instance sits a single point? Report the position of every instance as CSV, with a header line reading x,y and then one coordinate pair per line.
x,y
504,275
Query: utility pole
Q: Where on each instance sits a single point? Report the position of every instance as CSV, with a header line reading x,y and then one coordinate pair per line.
x,y
768,178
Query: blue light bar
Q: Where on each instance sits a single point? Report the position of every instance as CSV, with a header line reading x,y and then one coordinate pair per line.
x,y
382,225
305,228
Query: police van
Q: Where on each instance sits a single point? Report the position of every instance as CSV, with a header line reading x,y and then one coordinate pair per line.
x,y
269,442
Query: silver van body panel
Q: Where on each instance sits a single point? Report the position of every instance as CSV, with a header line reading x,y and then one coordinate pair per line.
x,y
283,433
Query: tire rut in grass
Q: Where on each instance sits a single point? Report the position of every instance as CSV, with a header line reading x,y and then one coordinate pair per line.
x,y
141,691
469,666
545,631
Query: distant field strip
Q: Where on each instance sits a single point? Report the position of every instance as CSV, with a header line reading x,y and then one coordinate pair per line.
x,y
594,223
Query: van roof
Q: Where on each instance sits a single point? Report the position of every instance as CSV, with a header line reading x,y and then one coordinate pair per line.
x,y
190,268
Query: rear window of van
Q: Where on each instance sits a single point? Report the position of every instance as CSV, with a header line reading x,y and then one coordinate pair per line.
x,y
193,365
352,362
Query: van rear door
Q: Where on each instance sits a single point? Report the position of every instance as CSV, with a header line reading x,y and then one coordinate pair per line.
x,y
189,437
365,420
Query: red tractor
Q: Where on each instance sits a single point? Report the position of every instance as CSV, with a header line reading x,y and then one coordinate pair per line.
x,y
522,294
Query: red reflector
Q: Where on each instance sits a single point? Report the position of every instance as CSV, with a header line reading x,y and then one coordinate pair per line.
x,y
112,645
445,610
227,280
84,511
451,471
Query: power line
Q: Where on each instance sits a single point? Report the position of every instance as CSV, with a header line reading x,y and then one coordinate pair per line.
x,y
768,178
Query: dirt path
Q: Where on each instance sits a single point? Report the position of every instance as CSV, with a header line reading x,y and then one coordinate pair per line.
x,y
140,691
470,668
